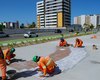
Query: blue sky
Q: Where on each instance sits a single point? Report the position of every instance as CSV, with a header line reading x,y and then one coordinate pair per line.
x,y
25,10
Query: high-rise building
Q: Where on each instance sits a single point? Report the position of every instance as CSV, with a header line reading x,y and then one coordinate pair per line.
x,y
87,19
40,14
53,13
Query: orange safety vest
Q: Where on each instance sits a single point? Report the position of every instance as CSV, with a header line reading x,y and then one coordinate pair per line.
x,y
2,65
94,36
64,43
47,65
1,54
79,43
6,53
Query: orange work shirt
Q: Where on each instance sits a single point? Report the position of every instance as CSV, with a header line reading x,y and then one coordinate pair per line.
x,y
64,43
46,64
79,43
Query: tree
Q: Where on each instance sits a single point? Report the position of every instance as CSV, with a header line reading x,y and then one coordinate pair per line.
x,y
1,27
22,25
33,25
86,27
91,26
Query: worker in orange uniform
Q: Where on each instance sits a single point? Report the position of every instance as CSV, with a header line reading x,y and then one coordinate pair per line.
x,y
78,43
46,64
9,54
94,36
2,65
63,43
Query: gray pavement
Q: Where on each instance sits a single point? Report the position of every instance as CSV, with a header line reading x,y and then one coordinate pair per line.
x,y
87,69
28,52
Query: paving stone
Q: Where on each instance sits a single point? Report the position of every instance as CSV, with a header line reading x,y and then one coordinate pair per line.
x,y
57,55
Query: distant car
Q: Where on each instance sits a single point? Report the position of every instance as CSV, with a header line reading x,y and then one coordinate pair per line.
x,y
30,34
58,31
2,34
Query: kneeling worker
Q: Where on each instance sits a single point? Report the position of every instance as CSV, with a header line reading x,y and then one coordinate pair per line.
x,y
9,54
46,64
2,65
78,42
63,43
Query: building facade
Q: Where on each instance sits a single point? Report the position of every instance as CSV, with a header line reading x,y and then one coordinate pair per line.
x,y
87,19
53,13
10,25
40,14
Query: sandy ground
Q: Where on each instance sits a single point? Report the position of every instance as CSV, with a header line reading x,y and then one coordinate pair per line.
x,y
87,69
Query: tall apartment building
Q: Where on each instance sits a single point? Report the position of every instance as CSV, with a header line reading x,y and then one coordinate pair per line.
x,y
53,13
87,19
40,14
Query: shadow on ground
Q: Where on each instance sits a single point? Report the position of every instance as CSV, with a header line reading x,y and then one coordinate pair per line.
x,y
1,78
30,73
56,72
82,47
17,60
95,62
24,74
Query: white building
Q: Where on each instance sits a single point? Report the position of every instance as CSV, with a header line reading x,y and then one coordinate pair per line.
x,y
40,14
87,19
82,19
11,25
93,20
53,13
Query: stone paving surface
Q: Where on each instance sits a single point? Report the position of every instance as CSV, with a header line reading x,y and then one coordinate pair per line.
x,y
64,61
60,53
87,69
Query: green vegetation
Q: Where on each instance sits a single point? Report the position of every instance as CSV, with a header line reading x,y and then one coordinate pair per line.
x,y
22,25
30,41
91,27
33,25
88,27
1,27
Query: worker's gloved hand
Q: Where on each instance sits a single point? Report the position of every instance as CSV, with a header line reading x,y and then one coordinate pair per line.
x,y
38,69
7,62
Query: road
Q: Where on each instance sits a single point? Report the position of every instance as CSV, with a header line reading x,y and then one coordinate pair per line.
x,y
20,36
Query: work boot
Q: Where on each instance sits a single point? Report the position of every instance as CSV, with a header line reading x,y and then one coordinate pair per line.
x,y
4,78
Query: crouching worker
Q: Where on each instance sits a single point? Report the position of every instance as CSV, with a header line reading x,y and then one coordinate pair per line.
x,y
78,42
63,43
94,37
2,65
9,54
46,64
